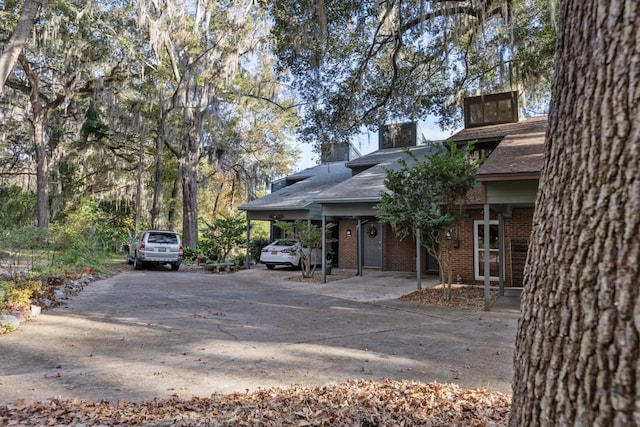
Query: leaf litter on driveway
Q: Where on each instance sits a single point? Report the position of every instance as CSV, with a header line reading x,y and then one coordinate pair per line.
x,y
353,403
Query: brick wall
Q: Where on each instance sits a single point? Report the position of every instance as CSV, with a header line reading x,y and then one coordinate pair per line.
x,y
517,227
348,246
400,255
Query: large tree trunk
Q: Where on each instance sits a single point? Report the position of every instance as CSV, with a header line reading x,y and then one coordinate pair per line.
x,y
38,117
158,181
42,167
189,159
19,36
173,202
577,360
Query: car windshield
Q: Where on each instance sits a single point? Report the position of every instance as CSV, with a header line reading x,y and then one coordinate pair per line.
x,y
284,242
162,238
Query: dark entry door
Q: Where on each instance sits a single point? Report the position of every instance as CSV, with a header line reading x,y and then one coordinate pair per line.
x,y
372,245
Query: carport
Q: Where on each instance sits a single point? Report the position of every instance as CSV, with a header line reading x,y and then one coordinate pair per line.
x,y
293,198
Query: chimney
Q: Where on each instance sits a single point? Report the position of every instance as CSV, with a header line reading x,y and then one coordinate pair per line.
x,y
398,135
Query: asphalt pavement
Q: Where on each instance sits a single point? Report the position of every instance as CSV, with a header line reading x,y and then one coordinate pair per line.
x,y
151,334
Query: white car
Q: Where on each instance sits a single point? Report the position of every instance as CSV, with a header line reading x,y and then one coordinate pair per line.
x,y
286,252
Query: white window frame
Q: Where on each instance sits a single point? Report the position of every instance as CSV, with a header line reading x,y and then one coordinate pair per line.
x,y
476,251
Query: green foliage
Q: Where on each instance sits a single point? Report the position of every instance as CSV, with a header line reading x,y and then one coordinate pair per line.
x,y
369,62
93,125
17,207
190,254
224,235
428,194
255,247
24,248
86,236
238,259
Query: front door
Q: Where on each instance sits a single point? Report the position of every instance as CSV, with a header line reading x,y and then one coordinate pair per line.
x,y
372,244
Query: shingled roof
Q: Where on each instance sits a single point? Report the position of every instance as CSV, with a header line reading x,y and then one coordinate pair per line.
x,y
519,155
499,132
516,157
367,186
300,195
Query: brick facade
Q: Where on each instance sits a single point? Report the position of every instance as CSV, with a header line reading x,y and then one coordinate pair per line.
x,y
348,245
516,228
400,255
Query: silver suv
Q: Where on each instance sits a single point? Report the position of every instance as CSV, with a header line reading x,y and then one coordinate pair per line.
x,y
157,247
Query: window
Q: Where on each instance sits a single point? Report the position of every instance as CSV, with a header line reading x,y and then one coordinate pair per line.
x,y
482,152
478,253
491,109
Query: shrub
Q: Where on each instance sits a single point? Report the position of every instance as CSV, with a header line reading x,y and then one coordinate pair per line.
x,y
190,254
17,295
238,259
223,236
255,247
23,248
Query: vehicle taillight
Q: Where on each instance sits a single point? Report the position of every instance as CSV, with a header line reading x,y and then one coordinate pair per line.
x,y
180,249
285,251
142,245
265,250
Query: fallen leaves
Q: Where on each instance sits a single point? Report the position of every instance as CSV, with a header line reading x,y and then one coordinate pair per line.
x,y
462,296
355,402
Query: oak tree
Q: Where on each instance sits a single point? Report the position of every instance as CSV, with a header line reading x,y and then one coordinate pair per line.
x,y
426,195
577,360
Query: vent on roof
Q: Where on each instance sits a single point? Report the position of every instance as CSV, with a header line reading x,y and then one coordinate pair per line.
x,y
339,152
491,109
399,135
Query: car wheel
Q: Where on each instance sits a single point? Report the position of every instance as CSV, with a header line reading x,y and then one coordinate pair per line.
x,y
175,266
137,264
270,266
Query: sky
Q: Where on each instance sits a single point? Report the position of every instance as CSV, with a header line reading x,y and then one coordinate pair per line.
x,y
368,142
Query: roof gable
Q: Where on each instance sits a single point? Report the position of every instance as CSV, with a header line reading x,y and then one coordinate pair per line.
x,y
499,132
520,153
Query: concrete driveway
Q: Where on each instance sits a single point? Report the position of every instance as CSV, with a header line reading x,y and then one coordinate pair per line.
x,y
147,334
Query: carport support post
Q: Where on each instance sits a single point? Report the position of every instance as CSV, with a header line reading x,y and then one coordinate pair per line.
x,y
247,261
359,247
418,259
324,249
487,273
501,253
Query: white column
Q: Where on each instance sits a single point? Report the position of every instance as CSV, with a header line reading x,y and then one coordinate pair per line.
x,y
487,265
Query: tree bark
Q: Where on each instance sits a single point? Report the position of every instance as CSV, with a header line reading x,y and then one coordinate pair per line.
x,y
158,181
577,349
38,117
42,166
189,164
12,49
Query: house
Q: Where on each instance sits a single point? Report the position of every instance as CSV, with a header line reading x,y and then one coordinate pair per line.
x,y
345,193
498,213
